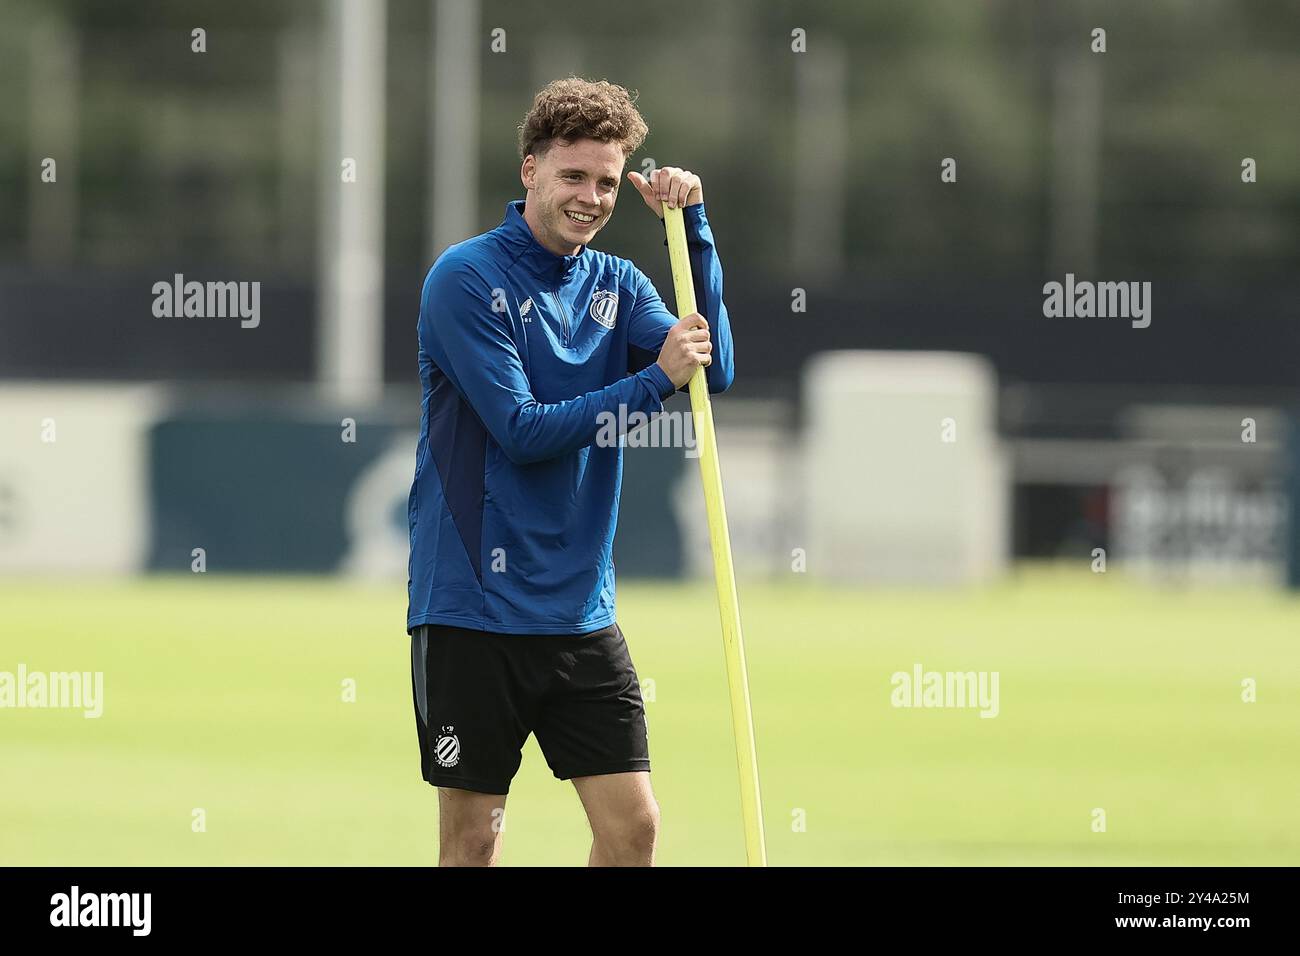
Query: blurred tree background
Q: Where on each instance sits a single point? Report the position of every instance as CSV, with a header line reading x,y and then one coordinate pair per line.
x,y
179,160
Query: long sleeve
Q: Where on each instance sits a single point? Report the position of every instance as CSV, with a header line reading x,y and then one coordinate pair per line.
x,y
651,318
471,343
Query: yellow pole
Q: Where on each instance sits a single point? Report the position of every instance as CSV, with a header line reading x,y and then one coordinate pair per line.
x,y
742,722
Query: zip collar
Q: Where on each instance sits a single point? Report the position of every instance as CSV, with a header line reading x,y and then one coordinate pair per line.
x,y
524,247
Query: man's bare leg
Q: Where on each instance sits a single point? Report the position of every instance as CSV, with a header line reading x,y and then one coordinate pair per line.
x,y
624,818
469,827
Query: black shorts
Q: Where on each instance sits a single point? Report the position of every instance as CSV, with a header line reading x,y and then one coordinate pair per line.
x,y
478,695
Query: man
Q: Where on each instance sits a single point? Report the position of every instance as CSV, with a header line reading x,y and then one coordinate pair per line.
x,y
529,342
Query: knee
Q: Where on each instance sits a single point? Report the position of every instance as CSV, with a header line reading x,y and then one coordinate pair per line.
x,y
633,837
468,850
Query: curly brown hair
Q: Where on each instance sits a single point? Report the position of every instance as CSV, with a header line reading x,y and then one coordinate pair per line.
x,y
575,108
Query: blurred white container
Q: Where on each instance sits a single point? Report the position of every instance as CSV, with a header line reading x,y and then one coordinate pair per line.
x,y
906,480
78,502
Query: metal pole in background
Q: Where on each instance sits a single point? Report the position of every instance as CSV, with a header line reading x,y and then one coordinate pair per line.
x,y
351,284
1076,161
453,123
820,142
55,109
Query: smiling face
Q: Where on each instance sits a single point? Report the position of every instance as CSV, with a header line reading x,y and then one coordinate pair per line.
x,y
569,182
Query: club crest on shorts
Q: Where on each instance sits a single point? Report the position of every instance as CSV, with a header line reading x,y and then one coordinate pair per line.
x,y
604,307
447,748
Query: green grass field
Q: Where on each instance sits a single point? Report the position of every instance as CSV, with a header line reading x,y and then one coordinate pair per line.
x,y
225,694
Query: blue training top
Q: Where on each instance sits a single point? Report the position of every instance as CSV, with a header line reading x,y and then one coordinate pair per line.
x,y
514,503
